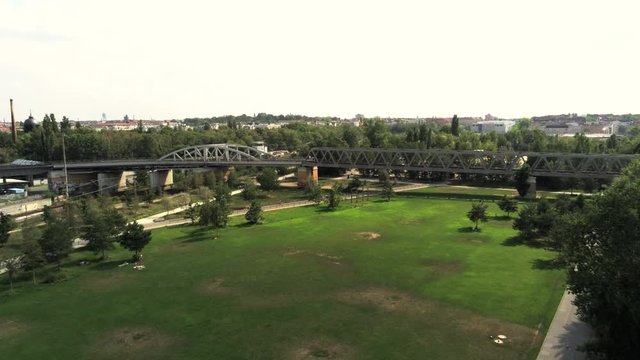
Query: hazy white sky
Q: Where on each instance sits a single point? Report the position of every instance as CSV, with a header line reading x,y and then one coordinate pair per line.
x,y
175,59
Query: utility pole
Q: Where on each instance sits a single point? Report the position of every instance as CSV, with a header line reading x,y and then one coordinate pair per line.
x,y
66,176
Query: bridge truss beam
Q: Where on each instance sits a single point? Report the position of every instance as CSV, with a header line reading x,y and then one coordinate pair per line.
x,y
218,153
477,162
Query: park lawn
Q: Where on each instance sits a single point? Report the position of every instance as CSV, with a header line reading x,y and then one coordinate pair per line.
x,y
404,279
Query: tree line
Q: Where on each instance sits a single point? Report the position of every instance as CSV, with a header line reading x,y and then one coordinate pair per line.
x,y
44,143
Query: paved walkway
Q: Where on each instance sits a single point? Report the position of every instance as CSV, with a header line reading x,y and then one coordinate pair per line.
x,y
565,334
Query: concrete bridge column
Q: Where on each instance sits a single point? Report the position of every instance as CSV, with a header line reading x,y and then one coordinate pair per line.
x,y
531,191
161,179
306,174
56,180
113,181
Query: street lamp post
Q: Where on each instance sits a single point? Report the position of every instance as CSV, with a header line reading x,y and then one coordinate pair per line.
x,y
66,176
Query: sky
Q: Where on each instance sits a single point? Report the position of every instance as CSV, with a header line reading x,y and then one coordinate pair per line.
x,y
161,59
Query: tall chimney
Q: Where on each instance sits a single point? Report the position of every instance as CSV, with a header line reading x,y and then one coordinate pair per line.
x,y
14,131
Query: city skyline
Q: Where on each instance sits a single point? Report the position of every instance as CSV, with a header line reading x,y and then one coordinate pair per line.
x,y
406,59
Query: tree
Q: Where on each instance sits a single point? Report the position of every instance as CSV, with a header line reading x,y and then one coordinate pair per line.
x,y
102,226
57,240
232,179
250,191
134,238
13,266
65,125
600,247
32,255
334,197
455,126
522,177
526,222
313,192
6,225
254,214
477,213
387,189
508,205
268,179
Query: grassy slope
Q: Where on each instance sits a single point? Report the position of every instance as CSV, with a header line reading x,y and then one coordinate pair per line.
x,y
271,302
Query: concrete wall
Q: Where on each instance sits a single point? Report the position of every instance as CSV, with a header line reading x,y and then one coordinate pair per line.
x,y
21,208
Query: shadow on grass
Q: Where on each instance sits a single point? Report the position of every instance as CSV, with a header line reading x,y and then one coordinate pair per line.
x,y
324,209
451,196
540,264
501,218
469,229
245,225
200,233
520,241
107,264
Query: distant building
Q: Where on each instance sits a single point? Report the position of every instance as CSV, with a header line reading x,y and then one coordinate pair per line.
x,y
260,145
499,127
116,125
561,128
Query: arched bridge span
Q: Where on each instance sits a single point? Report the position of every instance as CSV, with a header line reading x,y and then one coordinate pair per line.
x,y
218,152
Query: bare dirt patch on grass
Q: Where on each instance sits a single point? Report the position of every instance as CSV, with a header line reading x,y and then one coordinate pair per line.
x,y
320,349
443,267
133,343
412,221
368,235
111,280
385,299
330,259
217,286
472,330
10,329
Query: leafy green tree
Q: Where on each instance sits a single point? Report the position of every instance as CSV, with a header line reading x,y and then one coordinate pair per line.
x,y
232,179
254,215
387,189
134,238
32,255
65,125
56,240
6,225
101,227
600,246
477,213
526,222
210,180
268,179
455,126
313,192
193,213
334,196
376,132
12,266
521,177
508,205
250,191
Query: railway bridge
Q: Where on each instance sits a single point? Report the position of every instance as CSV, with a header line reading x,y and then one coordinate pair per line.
x,y
113,173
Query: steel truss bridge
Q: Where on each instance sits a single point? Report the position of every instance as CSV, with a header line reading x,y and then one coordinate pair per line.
x,y
451,161
472,162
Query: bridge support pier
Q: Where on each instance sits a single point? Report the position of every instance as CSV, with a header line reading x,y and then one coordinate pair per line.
x,y
531,191
113,181
306,174
161,179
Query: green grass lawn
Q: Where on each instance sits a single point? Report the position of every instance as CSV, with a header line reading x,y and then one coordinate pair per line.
x,y
398,280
